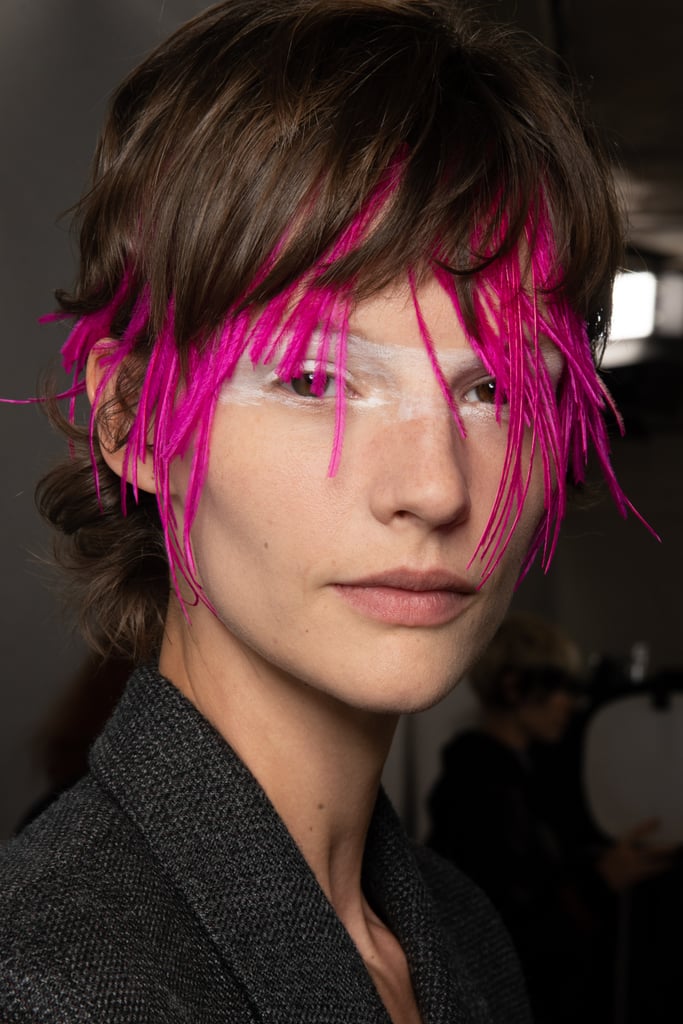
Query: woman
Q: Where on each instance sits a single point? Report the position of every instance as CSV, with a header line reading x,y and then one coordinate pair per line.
x,y
337,264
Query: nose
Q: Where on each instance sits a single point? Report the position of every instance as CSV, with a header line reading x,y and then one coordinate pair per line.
x,y
421,472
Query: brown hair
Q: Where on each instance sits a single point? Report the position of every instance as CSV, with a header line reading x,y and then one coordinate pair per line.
x,y
264,120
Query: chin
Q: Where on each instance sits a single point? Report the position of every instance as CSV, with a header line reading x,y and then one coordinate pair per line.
x,y
412,697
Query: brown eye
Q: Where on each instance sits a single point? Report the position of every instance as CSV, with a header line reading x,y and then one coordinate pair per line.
x,y
303,386
484,392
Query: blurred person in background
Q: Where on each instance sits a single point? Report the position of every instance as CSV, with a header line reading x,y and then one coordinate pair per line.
x,y
506,815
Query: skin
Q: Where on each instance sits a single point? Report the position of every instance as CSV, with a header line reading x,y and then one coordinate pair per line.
x,y
286,664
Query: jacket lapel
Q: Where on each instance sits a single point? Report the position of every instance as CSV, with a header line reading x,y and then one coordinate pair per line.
x,y
445,990
215,833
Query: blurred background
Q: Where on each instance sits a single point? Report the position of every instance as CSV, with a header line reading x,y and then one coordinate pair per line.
x,y
59,61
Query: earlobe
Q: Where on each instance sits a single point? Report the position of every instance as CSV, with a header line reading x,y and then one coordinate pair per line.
x,y
101,389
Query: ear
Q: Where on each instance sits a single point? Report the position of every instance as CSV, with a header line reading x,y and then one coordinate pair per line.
x,y
112,425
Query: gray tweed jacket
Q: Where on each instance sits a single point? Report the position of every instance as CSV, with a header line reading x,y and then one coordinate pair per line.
x,y
165,888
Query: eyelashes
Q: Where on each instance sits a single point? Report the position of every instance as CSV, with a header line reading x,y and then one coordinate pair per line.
x,y
312,385
317,385
485,392
399,381
383,375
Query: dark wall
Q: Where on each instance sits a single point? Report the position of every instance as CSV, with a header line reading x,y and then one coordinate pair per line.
x,y
58,64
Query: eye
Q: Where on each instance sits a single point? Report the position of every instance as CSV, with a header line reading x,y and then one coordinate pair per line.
x,y
483,392
303,385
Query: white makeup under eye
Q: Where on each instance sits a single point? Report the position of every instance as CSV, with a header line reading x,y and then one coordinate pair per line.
x,y
395,380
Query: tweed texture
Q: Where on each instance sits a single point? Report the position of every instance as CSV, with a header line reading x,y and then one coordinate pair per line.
x,y
164,888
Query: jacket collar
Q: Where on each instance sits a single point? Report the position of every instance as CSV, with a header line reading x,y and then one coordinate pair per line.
x,y
216,834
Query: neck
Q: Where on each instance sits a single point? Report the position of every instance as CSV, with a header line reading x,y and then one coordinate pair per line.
x,y
318,760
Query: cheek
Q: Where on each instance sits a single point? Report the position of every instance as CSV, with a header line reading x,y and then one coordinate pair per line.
x,y
534,499
486,457
503,537
265,500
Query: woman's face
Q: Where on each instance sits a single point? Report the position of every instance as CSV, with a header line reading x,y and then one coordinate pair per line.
x,y
361,584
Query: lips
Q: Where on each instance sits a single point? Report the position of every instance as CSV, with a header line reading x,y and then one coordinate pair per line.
x,y
406,597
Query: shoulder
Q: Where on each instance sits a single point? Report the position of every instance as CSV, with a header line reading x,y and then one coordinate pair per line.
x,y
64,852
66,892
90,928
477,935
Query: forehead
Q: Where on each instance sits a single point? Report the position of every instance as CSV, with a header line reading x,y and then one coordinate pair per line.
x,y
390,317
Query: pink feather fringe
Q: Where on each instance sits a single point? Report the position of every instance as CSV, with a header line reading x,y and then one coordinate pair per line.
x,y
175,410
